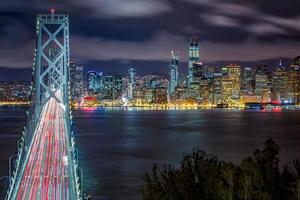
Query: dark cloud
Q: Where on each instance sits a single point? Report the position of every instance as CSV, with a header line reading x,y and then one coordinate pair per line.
x,y
147,30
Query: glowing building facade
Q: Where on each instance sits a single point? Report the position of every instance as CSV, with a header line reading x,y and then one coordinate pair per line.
x,y
131,83
193,57
76,81
173,73
234,73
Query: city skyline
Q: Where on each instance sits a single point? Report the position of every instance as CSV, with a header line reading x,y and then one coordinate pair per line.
x,y
229,32
202,87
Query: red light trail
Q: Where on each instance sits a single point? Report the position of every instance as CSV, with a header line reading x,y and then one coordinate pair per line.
x,y
46,173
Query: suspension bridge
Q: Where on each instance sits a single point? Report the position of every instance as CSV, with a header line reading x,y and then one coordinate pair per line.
x,y
46,165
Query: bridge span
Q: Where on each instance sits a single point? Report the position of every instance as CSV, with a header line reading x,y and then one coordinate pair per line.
x,y
46,167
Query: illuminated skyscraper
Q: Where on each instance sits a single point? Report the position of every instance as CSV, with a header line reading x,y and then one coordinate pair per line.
x,y
173,81
131,83
279,85
72,78
297,61
262,82
193,57
261,85
118,86
209,72
234,73
262,69
161,96
227,91
76,81
113,85
197,72
247,81
293,84
206,92
194,90
95,82
217,88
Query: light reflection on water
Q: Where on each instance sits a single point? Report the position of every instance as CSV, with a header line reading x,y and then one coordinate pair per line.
x,y
117,146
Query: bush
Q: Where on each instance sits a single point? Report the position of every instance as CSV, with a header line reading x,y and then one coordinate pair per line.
x,y
202,176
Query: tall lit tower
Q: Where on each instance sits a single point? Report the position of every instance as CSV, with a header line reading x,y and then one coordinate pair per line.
x,y
131,82
193,57
51,59
234,73
173,81
76,81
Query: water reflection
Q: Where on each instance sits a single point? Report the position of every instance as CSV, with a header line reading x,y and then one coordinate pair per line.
x,y
117,145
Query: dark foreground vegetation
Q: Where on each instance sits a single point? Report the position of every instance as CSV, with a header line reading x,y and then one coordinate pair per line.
x,y
202,176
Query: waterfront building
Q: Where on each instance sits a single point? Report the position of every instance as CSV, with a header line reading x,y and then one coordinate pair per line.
x,y
131,83
209,72
173,74
234,73
227,90
149,95
108,87
161,96
183,80
15,90
181,93
263,82
247,81
194,90
76,81
197,72
206,92
95,82
158,82
118,86
297,61
217,88
113,85
293,83
224,71
261,85
279,86
262,69
141,86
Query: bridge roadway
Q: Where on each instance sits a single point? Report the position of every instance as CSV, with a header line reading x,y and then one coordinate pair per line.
x,y
48,173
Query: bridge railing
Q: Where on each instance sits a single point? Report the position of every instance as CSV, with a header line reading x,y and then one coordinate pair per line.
x,y
74,157
23,146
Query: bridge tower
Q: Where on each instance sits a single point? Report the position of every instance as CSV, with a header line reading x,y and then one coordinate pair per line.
x,y
52,59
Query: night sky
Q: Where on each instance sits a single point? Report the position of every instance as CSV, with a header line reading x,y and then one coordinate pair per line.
x,y
111,35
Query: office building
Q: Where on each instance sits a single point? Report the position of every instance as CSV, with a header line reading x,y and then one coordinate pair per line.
x,y
173,74
95,82
131,83
247,81
76,81
193,57
234,73
279,86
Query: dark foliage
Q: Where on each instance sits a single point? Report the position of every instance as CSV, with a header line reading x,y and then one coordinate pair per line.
x,y
202,176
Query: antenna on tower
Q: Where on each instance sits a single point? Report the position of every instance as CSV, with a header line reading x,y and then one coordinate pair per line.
x,y
52,11
280,63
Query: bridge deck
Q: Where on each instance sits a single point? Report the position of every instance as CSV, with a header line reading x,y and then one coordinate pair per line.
x,y
47,173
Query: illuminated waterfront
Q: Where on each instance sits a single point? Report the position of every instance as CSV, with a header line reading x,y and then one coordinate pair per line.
x,y
117,146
